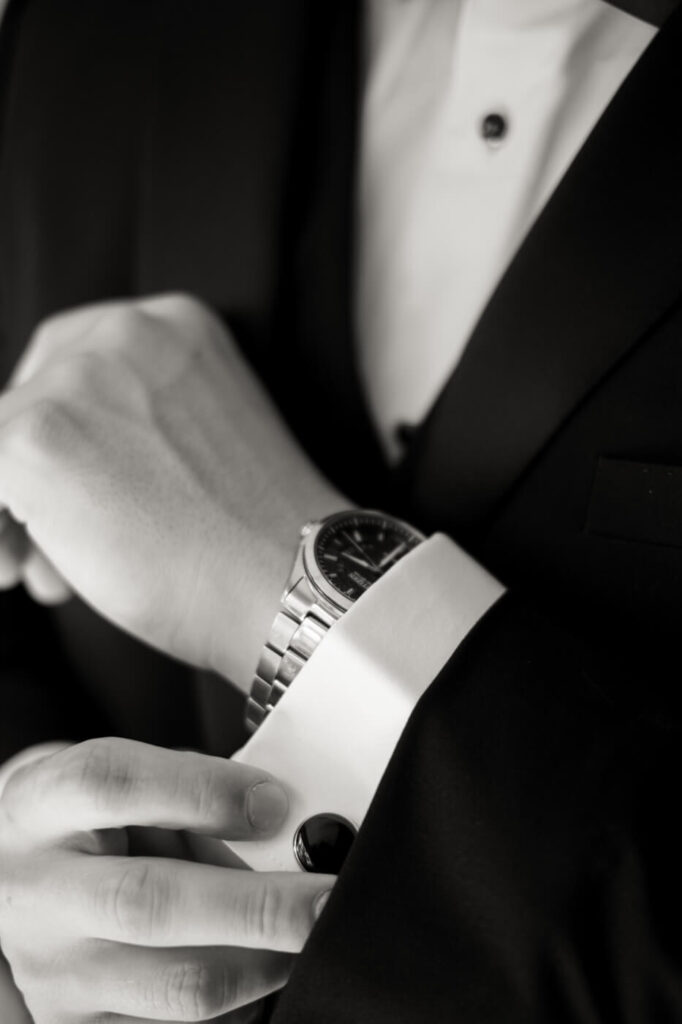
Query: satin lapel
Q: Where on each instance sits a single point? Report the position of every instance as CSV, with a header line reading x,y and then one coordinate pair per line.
x,y
601,265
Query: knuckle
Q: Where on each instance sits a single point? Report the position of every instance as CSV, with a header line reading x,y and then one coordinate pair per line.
x,y
212,800
121,321
96,769
32,978
263,912
20,791
81,372
29,970
185,304
194,992
41,340
45,426
188,311
135,901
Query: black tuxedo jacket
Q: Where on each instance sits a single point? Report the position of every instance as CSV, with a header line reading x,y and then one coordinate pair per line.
x,y
520,862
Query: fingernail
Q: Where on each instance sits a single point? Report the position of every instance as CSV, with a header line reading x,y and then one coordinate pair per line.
x,y
321,903
266,806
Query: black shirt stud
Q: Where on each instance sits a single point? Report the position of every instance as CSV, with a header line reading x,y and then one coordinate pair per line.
x,y
494,128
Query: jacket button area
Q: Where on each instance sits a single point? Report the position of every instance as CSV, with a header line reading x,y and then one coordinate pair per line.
x,y
494,128
321,843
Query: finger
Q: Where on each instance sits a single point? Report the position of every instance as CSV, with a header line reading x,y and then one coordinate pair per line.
x,y
14,546
245,1015
143,901
27,756
58,335
113,783
42,581
89,328
186,984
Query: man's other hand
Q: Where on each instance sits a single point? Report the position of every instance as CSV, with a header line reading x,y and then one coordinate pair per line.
x,y
153,473
92,933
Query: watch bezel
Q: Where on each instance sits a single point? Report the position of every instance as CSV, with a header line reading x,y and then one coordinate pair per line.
x,y
311,531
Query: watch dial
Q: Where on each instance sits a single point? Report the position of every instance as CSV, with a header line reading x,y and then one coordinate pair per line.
x,y
353,552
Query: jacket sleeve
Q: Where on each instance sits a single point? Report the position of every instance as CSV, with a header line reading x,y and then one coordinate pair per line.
x,y
519,862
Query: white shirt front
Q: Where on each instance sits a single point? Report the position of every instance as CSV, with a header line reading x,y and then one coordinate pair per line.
x,y
442,211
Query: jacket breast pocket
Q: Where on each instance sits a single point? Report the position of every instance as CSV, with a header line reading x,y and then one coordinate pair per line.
x,y
636,501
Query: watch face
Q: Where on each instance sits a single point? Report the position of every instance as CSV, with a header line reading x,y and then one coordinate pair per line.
x,y
352,552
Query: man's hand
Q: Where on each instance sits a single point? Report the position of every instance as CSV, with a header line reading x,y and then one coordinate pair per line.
x,y
92,932
153,473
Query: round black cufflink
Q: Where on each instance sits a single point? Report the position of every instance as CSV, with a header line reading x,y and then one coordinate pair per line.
x,y
321,843
494,128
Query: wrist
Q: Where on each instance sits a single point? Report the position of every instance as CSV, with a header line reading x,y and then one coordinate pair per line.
x,y
242,627
339,558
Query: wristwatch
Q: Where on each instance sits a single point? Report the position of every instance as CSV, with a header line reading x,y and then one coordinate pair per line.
x,y
338,559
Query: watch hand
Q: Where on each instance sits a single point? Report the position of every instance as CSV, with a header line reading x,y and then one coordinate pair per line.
x,y
363,553
359,561
398,550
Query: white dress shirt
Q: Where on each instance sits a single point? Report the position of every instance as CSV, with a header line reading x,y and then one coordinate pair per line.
x,y
442,210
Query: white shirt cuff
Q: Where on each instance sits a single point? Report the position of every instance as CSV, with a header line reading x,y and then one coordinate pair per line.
x,y
331,736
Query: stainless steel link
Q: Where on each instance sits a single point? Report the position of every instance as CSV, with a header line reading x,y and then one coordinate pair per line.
x,y
299,627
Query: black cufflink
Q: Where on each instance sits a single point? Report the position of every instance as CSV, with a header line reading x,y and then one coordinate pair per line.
x,y
494,128
321,843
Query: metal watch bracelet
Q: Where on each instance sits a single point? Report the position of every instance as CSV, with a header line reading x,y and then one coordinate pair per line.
x,y
298,628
